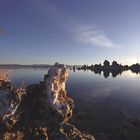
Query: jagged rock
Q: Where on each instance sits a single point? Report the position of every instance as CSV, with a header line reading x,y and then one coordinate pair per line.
x,y
55,85
13,136
73,133
69,132
10,99
57,95
28,134
36,134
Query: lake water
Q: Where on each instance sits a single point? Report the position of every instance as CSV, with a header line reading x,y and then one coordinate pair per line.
x,y
97,99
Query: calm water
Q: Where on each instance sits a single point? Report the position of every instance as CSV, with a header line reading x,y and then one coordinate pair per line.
x,y
97,99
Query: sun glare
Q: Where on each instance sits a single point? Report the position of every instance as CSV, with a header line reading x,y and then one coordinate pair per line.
x,y
4,75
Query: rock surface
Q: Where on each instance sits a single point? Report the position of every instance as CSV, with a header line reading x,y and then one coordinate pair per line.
x,y
10,99
69,132
57,95
43,113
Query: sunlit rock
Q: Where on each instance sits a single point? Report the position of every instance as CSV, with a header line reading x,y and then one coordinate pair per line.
x,y
57,95
13,136
55,84
10,98
69,132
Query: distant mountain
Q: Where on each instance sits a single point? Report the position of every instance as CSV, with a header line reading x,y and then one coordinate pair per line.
x,y
24,66
31,66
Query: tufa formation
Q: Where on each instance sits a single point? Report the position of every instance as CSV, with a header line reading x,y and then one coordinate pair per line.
x,y
43,113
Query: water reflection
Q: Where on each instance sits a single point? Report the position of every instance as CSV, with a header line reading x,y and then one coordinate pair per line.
x,y
114,74
107,72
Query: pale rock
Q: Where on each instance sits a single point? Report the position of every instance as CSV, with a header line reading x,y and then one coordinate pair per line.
x,y
10,98
55,89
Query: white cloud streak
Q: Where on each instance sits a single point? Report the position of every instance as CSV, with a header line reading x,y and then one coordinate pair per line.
x,y
94,37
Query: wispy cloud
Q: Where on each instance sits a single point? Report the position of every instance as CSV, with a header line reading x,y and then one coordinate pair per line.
x,y
92,36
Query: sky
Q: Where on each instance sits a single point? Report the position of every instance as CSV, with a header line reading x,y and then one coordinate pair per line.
x,y
69,31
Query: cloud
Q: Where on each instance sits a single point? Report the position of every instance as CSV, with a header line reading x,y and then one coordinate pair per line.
x,y
92,36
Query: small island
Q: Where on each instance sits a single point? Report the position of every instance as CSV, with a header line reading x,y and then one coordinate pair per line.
x,y
114,68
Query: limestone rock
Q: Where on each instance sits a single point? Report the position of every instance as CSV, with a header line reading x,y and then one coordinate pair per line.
x,y
57,95
10,99
13,136
69,132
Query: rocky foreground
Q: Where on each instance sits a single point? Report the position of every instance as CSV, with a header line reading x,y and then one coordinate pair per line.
x,y
39,111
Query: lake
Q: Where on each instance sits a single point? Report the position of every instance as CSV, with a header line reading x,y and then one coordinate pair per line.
x,y
97,99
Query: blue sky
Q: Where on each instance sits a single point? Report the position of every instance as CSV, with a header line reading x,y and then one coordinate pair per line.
x,y
69,31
